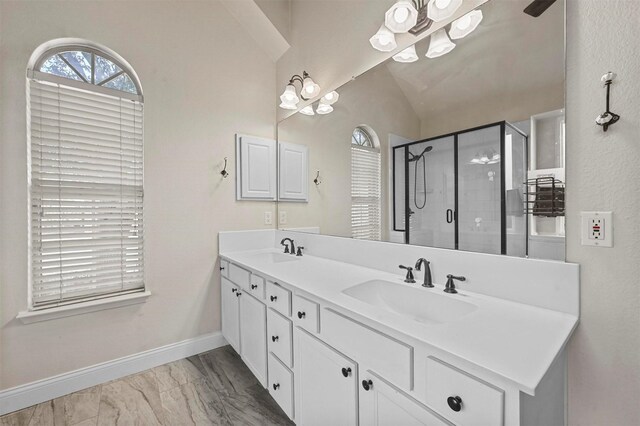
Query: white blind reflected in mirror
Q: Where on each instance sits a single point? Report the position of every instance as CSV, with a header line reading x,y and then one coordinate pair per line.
x,y
365,193
86,195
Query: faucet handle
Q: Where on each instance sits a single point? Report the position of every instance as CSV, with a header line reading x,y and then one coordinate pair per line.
x,y
450,287
299,252
409,278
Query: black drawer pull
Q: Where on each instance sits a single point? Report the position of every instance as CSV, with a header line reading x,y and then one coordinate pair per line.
x,y
301,314
222,268
367,384
254,286
274,338
276,386
238,294
346,372
273,298
233,290
455,403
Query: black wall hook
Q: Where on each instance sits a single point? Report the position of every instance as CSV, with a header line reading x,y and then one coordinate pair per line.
x,y
607,118
317,180
224,172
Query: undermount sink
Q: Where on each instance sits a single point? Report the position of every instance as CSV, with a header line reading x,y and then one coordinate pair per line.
x,y
276,257
416,303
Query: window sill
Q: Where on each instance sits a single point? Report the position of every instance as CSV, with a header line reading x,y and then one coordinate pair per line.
x,y
28,317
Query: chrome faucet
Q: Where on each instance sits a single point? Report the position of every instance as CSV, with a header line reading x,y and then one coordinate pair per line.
x,y
409,278
286,246
428,281
450,287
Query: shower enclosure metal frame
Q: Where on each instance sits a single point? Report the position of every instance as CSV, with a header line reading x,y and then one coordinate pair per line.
x,y
503,207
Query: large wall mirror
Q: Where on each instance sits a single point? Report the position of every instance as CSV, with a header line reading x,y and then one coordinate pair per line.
x,y
464,151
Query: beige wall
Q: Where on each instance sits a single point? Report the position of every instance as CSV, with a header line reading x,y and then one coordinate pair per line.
x,y
511,106
198,72
603,174
372,99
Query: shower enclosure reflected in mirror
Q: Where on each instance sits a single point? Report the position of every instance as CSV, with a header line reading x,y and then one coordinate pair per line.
x,y
464,151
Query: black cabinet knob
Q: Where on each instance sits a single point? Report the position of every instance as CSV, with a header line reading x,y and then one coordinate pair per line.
x,y
367,384
276,386
222,268
238,294
455,403
273,298
274,338
346,372
233,290
254,286
301,314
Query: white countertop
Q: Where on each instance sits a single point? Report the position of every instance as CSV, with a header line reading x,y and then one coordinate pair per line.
x,y
513,340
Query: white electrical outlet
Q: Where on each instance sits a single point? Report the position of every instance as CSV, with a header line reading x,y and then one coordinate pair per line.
x,y
597,229
268,218
283,218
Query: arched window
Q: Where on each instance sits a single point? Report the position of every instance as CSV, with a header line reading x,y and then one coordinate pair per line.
x,y
85,138
365,184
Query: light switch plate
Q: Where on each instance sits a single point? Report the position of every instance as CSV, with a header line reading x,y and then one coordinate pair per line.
x,y
597,229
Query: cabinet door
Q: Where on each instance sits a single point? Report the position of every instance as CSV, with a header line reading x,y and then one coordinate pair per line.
x,y
253,336
230,314
381,404
294,172
256,160
325,383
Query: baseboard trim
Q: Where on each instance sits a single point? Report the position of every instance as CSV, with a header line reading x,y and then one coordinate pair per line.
x,y
23,396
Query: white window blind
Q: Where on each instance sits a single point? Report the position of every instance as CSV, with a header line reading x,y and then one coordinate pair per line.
x,y
365,193
86,194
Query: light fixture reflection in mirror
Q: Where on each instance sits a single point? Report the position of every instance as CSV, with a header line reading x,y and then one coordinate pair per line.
x,y
465,25
439,10
308,110
407,55
439,44
330,98
324,108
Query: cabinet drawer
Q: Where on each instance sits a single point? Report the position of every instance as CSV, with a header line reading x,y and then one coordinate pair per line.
x,y
279,298
224,268
385,355
280,336
239,276
281,385
479,402
256,288
306,314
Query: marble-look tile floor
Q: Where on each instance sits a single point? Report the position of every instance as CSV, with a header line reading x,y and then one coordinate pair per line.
x,y
213,388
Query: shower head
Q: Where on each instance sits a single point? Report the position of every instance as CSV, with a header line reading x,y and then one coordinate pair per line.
x,y
415,157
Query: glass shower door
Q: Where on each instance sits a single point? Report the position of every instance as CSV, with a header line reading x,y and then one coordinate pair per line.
x,y
430,193
480,190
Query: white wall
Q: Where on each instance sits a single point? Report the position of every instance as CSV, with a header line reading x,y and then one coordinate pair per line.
x,y
603,174
198,72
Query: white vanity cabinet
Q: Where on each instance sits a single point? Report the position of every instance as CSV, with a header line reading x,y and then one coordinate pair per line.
x,y
253,339
325,382
326,365
244,325
382,404
230,313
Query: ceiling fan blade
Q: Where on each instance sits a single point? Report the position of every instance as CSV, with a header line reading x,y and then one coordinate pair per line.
x,y
537,7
